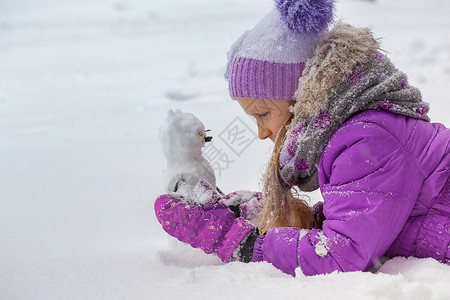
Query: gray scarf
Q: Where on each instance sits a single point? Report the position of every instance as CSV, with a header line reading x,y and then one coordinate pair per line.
x,y
347,75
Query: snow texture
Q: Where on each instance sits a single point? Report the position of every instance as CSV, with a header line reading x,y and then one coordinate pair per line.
x,y
84,88
322,247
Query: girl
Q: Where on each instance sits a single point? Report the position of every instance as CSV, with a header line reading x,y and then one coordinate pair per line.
x,y
343,119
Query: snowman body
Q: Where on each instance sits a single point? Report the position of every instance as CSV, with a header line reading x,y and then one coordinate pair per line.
x,y
182,137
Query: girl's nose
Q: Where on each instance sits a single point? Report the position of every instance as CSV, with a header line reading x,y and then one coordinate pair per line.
x,y
263,133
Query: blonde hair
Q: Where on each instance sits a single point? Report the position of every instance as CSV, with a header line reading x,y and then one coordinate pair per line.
x,y
282,205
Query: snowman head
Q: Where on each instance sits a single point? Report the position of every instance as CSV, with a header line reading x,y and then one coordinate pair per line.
x,y
182,134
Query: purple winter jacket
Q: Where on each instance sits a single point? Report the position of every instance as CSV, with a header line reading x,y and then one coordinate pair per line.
x,y
384,181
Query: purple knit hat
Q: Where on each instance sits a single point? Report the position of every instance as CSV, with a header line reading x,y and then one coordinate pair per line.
x,y
267,61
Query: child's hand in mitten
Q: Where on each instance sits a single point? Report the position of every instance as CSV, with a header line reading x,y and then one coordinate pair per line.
x,y
212,228
245,204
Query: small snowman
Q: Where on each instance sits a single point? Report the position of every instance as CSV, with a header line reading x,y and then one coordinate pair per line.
x,y
182,137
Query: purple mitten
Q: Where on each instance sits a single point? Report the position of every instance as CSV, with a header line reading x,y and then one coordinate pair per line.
x,y
245,204
212,228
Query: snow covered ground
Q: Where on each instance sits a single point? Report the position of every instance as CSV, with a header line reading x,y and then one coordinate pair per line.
x,y
84,87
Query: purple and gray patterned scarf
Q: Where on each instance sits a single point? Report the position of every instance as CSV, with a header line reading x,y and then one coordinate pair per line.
x,y
374,83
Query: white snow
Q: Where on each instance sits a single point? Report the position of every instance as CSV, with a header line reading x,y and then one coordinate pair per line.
x,y
84,88
321,247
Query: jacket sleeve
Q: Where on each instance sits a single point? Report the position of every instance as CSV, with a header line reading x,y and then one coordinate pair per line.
x,y
369,184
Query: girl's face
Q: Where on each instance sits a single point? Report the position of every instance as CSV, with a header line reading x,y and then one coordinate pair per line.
x,y
270,115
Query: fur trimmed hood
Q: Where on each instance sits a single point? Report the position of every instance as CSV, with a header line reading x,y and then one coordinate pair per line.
x,y
347,75
338,52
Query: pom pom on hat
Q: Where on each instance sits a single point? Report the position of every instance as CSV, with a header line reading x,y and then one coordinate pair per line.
x,y
306,16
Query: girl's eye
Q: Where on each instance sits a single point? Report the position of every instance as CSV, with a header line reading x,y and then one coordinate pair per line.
x,y
262,116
